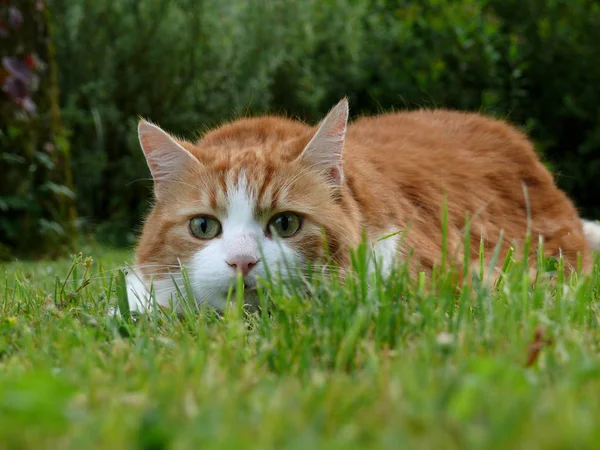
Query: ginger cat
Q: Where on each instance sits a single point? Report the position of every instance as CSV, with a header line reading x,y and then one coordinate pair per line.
x,y
258,193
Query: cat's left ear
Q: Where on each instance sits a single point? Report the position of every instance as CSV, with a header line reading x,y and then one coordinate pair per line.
x,y
165,157
324,151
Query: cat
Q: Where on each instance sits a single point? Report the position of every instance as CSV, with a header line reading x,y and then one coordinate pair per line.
x,y
258,195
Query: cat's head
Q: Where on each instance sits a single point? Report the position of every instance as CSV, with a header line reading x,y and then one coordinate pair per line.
x,y
255,196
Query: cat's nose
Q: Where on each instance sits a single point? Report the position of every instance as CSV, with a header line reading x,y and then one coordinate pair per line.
x,y
243,263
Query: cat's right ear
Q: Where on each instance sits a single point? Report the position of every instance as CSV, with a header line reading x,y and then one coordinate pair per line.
x,y
165,157
324,151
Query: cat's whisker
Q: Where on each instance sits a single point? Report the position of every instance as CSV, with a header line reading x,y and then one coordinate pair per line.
x,y
290,182
139,266
139,179
183,184
110,272
161,274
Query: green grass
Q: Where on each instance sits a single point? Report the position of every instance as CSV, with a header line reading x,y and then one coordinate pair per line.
x,y
393,366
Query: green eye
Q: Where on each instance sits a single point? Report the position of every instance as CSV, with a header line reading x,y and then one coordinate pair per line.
x,y
285,224
205,227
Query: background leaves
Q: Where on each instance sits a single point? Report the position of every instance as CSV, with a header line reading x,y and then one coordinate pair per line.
x,y
189,65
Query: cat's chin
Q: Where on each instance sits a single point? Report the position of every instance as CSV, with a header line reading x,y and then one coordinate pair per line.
x,y
140,299
220,301
251,300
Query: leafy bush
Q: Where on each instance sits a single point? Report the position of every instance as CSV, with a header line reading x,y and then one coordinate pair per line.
x,y
556,42
37,214
188,65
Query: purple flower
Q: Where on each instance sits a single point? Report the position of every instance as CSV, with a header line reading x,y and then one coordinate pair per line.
x,y
28,105
18,68
15,18
19,92
15,88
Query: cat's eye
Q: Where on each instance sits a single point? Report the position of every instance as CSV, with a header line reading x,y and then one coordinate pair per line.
x,y
205,227
285,224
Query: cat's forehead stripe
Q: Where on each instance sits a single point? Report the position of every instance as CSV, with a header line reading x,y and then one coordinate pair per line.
x,y
240,201
240,210
233,191
213,198
264,184
261,191
238,192
268,200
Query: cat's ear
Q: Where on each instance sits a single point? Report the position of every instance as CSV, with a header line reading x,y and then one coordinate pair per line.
x,y
165,157
324,151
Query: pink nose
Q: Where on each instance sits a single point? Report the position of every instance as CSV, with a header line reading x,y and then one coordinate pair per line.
x,y
243,263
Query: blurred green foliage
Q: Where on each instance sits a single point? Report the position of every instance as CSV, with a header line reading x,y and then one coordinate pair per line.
x,y
37,203
188,65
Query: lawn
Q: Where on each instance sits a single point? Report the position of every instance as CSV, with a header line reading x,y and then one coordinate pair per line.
x,y
393,366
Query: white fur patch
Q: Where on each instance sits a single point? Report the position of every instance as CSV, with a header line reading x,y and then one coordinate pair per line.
x,y
384,252
240,210
142,293
137,293
591,230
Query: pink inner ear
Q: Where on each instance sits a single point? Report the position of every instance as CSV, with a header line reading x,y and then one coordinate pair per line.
x,y
334,173
150,145
339,128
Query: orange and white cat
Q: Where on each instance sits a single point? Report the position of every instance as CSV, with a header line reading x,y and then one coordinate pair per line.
x,y
257,194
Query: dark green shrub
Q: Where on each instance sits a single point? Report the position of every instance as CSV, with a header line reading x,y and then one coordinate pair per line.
x,y
37,215
557,40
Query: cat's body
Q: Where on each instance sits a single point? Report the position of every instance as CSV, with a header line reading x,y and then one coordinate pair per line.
x,y
257,180
483,167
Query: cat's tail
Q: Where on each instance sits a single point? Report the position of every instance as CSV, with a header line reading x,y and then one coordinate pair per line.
x,y
591,229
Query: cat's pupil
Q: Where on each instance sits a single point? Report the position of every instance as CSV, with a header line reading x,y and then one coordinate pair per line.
x,y
284,222
203,225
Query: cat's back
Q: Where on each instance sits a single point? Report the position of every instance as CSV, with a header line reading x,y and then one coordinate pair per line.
x,y
446,134
409,163
442,150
